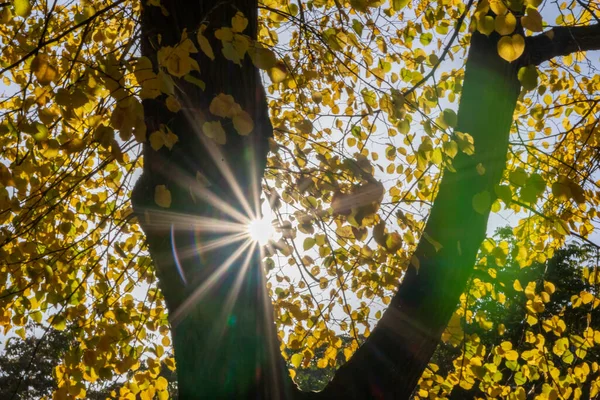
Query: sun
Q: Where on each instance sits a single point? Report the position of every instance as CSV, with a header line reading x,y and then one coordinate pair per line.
x,y
261,230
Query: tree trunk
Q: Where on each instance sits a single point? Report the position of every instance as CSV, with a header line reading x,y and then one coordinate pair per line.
x,y
223,332
390,363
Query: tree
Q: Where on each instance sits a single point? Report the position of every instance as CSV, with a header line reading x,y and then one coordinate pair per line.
x,y
40,382
72,250
489,322
16,356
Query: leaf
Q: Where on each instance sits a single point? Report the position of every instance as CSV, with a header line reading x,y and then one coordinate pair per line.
x,y
533,20
357,26
198,82
482,202
450,118
43,70
505,24
528,76
498,7
517,286
215,131
59,322
223,105
398,5
425,38
510,48
317,97
243,124
162,196
511,355
486,25
173,104
204,44
239,22
561,227
296,360
22,7
262,57
278,73
309,242
161,383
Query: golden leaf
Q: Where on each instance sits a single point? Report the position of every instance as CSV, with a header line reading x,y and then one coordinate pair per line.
x,y
510,48
162,196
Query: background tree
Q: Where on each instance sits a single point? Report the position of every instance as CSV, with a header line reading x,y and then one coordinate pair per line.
x,y
345,83
39,383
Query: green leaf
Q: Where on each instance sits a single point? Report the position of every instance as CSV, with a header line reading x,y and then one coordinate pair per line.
x,y
450,118
59,322
357,26
36,316
426,38
198,82
528,76
482,202
308,243
504,193
520,379
399,4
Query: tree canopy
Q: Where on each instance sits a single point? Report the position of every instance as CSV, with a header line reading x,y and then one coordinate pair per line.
x,y
381,134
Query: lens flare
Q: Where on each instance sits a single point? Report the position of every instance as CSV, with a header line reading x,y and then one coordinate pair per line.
x,y
261,230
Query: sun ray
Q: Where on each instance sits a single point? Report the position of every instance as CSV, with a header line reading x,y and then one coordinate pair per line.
x,y
235,289
221,163
201,290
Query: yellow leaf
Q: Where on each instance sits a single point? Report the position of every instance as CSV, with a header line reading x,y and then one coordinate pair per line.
x,y
5,15
170,139
21,333
224,34
586,297
517,286
204,43
297,359
511,47
239,22
549,287
215,131
243,123
173,104
157,140
262,58
511,355
505,24
532,21
161,383
162,196
485,24
223,105
43,70
163,395
498,7
22,7
144,74
278,72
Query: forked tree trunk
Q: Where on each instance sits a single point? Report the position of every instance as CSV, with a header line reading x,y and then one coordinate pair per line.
x,y
223,333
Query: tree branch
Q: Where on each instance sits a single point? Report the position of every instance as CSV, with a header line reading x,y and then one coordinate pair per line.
x,y
561,41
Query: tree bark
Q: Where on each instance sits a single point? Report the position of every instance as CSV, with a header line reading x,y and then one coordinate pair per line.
x,y
221,317
389,364
224,339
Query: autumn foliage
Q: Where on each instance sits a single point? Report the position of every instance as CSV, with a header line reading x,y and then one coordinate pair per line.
x,y
381,135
